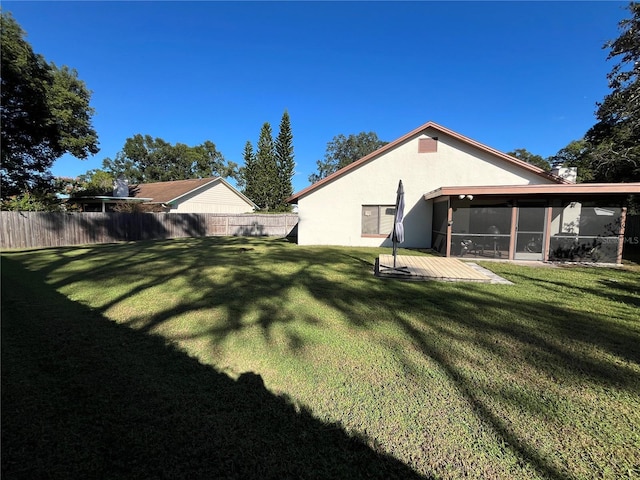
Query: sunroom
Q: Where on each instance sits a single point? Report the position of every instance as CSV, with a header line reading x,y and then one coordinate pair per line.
x,y
564,222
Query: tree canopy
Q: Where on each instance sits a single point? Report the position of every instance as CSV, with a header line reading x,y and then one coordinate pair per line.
x,y
615,139
145,159
94,182
526,156
342,151
575,154
45,113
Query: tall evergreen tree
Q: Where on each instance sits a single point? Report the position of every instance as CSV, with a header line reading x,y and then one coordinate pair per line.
x,y
285,162
247,172
266,170
267,173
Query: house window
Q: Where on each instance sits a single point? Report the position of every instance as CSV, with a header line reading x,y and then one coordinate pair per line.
x,y
377,220
428,145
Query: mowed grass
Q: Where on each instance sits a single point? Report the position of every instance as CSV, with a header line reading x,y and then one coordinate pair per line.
x,y
142,361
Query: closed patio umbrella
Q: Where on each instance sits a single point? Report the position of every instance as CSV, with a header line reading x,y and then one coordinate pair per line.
x,y
397,233
398,227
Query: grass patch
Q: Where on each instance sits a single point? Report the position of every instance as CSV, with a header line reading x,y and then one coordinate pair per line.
x,y
153,350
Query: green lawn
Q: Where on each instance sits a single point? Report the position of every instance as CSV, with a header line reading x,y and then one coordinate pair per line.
x,y
142,361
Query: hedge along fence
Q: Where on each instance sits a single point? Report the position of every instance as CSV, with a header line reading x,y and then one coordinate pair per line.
x,y
56,229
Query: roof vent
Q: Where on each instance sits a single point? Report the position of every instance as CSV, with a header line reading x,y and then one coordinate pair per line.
x,y
428,145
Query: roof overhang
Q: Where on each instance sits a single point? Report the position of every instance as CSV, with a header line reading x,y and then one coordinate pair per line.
x,y
109,199
547,190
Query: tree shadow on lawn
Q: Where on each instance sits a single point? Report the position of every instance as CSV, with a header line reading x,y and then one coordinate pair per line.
x,y
547,334
532,322
543,331
84,397
434,316
619,338
625,291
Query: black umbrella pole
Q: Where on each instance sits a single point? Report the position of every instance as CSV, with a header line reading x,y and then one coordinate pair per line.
x,y
395,252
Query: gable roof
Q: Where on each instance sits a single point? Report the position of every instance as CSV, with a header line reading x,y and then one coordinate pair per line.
x,y
344,170
169,192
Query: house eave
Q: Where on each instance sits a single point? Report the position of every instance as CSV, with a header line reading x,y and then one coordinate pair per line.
x,y
581,189
106,198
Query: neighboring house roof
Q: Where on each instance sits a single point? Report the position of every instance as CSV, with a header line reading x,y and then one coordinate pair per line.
x,y
171,192
548,189
508,158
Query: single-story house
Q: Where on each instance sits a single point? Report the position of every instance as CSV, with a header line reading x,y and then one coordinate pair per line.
x,y
463,198
198,195
201,195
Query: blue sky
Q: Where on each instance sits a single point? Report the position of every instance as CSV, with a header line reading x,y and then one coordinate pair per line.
x,y
507,74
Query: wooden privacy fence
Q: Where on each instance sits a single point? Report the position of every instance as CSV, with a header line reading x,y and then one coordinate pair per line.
x,y
54,229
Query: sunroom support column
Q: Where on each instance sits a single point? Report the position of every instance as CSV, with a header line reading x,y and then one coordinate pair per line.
x,y
546,238
449,224
623,221
514,231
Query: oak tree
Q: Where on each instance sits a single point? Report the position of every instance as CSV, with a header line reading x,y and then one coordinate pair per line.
x,y
575,154
145,159
342,151
45,113
615,139
526,156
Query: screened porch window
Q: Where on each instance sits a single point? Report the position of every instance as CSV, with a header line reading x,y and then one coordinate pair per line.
x,y
585,232
377,219
481,228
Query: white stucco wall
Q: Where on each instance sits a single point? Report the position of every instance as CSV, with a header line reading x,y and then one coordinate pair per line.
x,y
567,220
215,198
331,214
